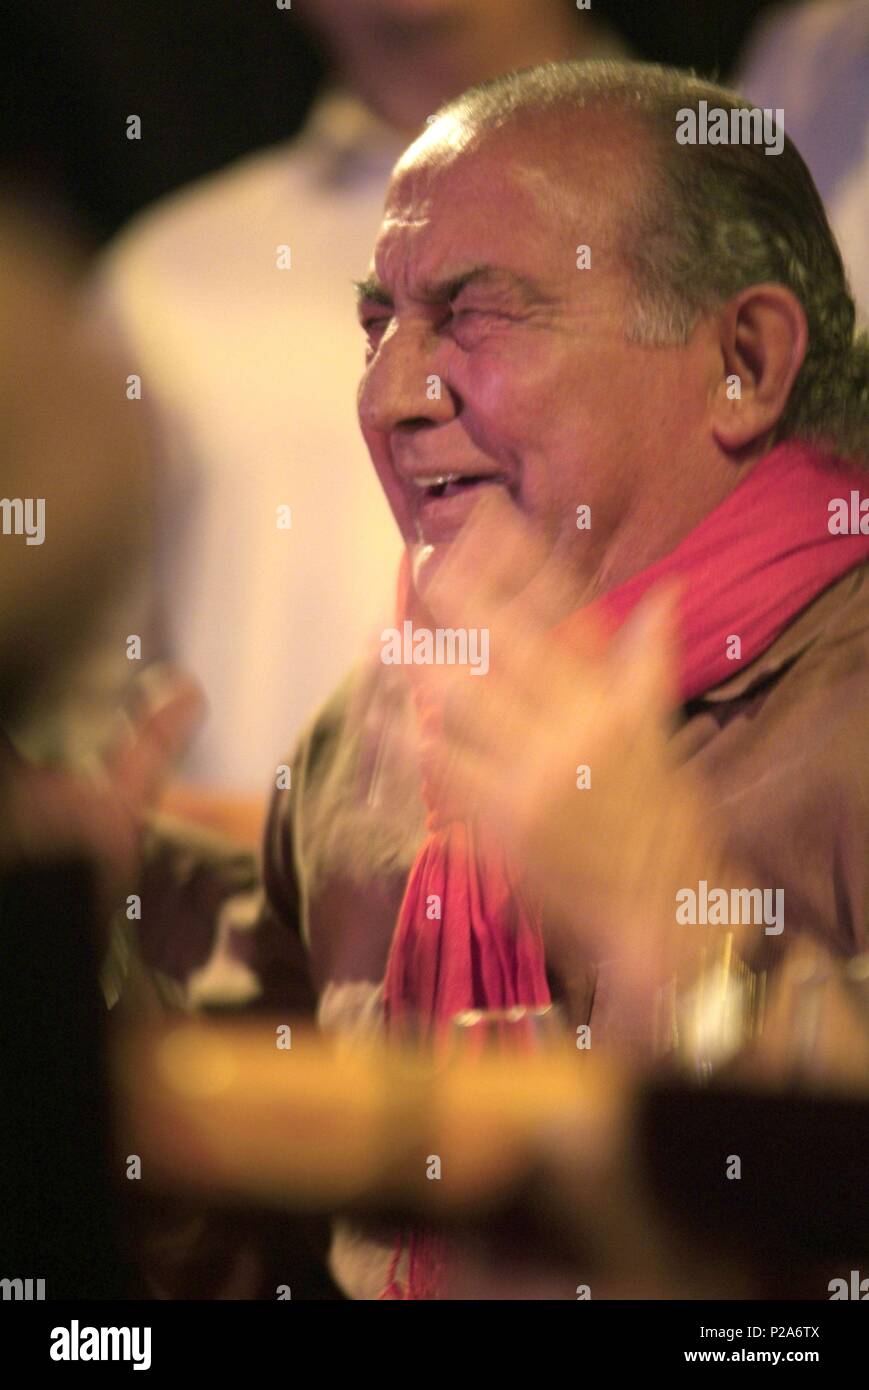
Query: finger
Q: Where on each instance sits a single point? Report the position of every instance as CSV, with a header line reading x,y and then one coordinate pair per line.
x,y
487,712
557,590
173,710
494,556
471,783
644,658
501,576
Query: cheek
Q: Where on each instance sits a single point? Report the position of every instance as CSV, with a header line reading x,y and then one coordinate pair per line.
x,y
571,422
488,383
524,406
507,402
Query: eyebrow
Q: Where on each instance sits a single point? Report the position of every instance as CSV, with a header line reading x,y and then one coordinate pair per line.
x,y
370,290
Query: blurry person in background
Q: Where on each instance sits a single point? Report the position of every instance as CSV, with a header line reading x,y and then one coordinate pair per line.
x,y
230,299
812,60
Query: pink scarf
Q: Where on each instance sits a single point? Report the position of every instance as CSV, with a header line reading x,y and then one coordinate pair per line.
x,y
749,568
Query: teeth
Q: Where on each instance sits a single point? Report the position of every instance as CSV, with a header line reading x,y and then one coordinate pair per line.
x,y
438,480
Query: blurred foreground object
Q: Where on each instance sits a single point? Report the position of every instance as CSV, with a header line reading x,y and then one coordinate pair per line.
x,y
75,522
61,1218
72,445
607,1169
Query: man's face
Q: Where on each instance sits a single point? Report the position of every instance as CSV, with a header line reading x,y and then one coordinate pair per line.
x,y
407,57
494,361
435,30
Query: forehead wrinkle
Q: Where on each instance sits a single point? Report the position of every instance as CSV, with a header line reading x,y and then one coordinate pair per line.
x,y
406,243
436,291
395,259
487,275
554,186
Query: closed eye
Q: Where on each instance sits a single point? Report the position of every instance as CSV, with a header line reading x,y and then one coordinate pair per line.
x,y
374,324
473,316
467,305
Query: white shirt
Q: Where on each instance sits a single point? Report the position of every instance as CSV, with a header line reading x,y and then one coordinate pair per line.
x,y
812,60
249,373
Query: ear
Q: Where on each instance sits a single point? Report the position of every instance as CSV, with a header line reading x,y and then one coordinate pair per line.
x,y
763,337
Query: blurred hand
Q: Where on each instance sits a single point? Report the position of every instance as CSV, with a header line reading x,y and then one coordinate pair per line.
x,y
49,813
606,848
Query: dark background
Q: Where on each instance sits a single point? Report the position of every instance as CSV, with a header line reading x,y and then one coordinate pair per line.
x,y
213,79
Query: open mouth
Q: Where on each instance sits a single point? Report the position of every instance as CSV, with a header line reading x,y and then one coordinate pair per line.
x,y
450,484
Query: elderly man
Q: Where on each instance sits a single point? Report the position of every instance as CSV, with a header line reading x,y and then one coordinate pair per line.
x,y
602,363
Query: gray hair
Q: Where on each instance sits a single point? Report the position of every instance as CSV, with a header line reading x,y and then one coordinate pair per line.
x,y
714,219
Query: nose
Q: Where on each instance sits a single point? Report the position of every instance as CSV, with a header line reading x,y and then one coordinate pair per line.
x,y
404,385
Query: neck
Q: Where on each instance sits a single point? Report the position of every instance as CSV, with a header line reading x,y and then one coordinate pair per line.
x,y
404,93
658,521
